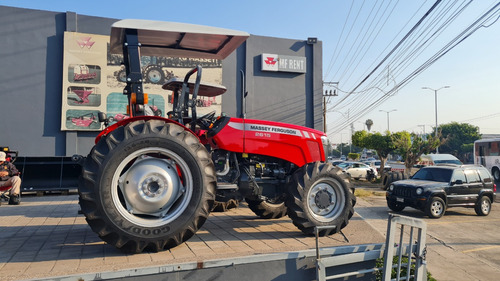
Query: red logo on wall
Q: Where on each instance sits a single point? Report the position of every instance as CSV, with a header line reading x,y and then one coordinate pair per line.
x,y
271,61
85,42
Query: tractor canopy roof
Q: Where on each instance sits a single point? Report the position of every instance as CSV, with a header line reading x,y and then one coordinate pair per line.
x,y
171,39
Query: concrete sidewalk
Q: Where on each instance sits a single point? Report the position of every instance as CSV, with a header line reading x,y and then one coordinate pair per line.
x,y
46,237
444,262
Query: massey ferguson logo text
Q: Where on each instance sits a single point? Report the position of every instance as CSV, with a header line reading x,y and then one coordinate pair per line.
x,y
85,42
271,61
272,129
282,63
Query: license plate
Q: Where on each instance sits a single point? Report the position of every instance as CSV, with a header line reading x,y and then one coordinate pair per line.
x,y
400,199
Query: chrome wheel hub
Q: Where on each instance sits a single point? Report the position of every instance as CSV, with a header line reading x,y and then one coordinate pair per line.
x,y
150,186
325,200
436,208
485,206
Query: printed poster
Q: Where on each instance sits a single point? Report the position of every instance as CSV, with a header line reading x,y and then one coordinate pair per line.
x,y
93,82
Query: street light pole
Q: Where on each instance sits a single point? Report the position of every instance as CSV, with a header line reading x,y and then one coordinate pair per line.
x,y
436,108
388,116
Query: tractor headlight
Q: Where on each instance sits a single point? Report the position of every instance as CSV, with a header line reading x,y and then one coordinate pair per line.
x,y
391,187
419,190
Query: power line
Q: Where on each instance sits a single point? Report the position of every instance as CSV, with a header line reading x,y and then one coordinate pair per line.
x,y
430,34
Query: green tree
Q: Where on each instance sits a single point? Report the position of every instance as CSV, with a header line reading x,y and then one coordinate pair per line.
x,y
353,156
382,144
459,139
411,147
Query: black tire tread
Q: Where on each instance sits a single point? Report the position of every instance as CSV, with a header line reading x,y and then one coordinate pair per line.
x,y
296,205
477,208
267,210
89,199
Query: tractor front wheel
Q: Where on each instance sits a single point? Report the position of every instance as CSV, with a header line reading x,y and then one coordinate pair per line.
x,y
148,185
320,196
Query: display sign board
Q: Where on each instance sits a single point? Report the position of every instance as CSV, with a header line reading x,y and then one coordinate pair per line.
x,y
281,63
93,82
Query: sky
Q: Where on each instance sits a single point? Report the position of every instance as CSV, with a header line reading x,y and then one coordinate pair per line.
x,y
379,54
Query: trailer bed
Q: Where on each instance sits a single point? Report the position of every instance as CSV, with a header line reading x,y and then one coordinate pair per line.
x,y
45,237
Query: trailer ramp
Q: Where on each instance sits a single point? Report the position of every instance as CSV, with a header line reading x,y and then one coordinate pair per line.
x,y
407,256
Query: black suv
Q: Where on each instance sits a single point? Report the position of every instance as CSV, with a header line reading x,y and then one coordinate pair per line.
x,y
433,189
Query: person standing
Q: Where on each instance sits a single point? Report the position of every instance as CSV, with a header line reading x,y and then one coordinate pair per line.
x,y
9,177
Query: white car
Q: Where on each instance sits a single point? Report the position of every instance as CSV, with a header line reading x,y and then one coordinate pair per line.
x,y
357,170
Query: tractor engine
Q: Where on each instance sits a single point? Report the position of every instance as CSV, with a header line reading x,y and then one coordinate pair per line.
x,y
255,177
263,180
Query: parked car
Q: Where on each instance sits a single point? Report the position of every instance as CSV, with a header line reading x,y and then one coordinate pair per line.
x,y
358,170
434,159
336,162
433,189
376,164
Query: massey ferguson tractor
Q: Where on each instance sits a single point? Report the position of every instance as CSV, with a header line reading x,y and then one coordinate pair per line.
x,y
150,182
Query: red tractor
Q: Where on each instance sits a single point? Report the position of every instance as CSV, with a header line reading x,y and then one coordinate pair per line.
x,y
150,182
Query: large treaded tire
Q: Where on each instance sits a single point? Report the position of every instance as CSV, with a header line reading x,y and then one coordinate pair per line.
x,y
225,206
267,210
320,195
177,158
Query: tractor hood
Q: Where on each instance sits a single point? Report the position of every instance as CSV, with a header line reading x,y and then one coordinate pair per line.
x,y
171,39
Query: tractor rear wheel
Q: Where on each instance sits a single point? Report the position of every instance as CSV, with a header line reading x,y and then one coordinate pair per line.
x,y
266,209
148,185
320,196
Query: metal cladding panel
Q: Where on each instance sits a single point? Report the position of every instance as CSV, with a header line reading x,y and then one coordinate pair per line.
x,y
178,39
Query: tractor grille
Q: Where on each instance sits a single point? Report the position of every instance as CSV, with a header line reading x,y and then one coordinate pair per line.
x,y
403,191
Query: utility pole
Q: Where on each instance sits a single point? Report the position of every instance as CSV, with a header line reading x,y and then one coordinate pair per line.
x,y
325,95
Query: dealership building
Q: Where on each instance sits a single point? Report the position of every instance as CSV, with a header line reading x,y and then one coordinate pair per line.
x,y
57,73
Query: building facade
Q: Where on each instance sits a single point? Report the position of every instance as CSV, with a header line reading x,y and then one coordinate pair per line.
x,y
32,81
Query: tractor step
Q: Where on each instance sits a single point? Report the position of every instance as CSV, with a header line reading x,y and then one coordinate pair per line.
x,y
226,185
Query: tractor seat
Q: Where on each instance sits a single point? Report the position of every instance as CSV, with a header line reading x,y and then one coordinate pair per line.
x,y
206,89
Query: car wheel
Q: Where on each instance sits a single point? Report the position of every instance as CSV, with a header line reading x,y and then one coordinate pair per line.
x,y
396,207
435,208
483,206
496,174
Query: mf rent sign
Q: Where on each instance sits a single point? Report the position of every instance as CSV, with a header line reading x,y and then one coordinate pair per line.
x,y
280,63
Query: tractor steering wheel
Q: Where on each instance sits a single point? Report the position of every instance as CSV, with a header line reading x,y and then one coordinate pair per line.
x,y
206,120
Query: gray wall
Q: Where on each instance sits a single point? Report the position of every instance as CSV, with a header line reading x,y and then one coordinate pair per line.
x,y
31,81
276,96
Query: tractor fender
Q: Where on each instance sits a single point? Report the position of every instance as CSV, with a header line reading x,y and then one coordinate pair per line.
x,y
124,122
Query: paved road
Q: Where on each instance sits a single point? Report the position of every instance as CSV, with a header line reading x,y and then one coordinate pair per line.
x,y
460,245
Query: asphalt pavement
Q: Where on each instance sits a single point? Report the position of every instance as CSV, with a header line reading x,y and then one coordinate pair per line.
x,y
460,245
